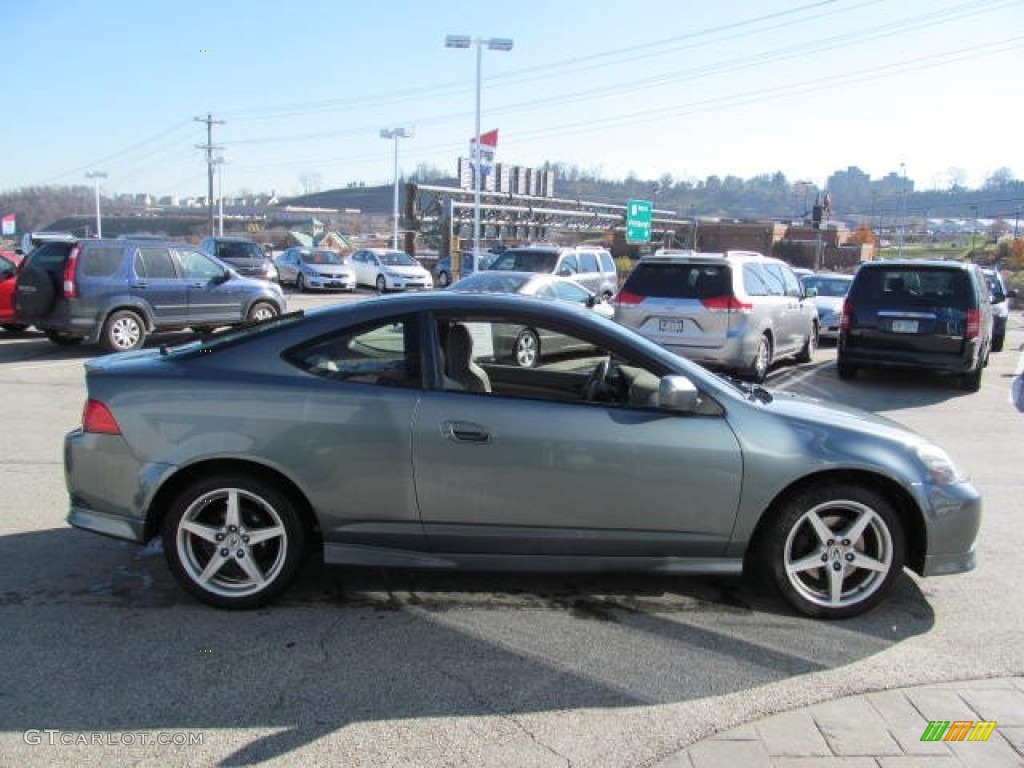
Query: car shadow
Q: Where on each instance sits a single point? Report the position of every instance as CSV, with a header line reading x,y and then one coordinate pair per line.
x,y
98,637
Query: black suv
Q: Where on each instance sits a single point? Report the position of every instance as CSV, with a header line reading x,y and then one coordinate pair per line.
x,y
932,315
115,292
246,257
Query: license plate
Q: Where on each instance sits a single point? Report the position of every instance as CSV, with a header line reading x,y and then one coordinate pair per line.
x,y
904,326
670,326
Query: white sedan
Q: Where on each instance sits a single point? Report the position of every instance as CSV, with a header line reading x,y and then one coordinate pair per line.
x,y
389,270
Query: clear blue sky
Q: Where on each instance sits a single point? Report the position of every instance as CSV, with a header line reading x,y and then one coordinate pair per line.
x,y
736,87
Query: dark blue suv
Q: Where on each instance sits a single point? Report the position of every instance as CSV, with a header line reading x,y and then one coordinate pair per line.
x,y
117,292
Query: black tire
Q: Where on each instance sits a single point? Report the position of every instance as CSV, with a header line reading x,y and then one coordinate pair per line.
x,y
382,284
846,371
35,293
123,331
62,339
806,354
444,279
971,382
526,349
261,311
260,510
820,570
14,327
300,283
758,370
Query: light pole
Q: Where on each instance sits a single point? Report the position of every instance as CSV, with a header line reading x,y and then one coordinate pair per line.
x,y
396,134
96,176
903,208
219,162
974,229
492,44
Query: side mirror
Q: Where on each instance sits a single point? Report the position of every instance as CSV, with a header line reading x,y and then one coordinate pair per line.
x,y
678,394
223,277
592,301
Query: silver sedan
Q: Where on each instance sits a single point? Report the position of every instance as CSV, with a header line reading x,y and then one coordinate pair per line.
x,y
389,433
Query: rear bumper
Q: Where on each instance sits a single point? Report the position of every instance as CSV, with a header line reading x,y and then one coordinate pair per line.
x,y
963,362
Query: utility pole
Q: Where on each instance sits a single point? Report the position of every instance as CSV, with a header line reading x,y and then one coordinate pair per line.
x,y
209,147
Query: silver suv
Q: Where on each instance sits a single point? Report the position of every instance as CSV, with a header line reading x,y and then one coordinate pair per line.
x,y
737,310
591,266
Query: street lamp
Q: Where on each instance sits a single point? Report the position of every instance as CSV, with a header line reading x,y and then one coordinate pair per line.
x,y
492,44
96,176
903,208
219,162
396,134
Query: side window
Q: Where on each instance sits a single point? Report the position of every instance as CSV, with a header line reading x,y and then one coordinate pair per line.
x,y
384,353
790,281
101,262
607,262
570,264
774,279
155,263
198,267
755,282
546,292
571,292
588,262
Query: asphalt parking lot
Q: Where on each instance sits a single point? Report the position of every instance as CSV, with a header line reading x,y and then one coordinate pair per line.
x,y
105,656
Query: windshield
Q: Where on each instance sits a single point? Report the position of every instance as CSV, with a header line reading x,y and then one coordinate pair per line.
x,y
237,251
398,259
322,257
526,261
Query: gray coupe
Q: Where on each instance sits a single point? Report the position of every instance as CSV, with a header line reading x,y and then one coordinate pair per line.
x,y
389,433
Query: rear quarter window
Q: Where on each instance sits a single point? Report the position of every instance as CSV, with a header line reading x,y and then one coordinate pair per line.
x,y
100,262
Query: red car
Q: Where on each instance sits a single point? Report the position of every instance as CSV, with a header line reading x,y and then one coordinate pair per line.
x,y
8,268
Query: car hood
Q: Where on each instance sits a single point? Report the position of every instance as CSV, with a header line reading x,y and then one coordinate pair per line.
x,y
813,411
410,271
328,269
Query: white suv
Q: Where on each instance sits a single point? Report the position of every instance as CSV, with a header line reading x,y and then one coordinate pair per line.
x,y
737,310
593,267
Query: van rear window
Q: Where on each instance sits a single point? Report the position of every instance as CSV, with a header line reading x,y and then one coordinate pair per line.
x,y
680,281
912,285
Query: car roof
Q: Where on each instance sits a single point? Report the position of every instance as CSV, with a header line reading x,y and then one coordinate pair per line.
x,y
911,263
681,256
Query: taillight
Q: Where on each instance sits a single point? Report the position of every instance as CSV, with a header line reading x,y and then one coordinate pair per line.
x,y
96,417
844,319
973,324
70,287
626,297
727,303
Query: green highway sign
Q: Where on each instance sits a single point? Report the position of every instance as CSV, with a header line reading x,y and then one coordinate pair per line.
x,y
638,221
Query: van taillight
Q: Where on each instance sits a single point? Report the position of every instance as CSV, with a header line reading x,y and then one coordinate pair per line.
x,y
844,319
97,418
973,324
625,297
70,287
728,303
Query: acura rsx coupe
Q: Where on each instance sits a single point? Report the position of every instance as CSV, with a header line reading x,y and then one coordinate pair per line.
x,y
389,433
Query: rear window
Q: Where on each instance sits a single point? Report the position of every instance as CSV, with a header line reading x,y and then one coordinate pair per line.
x,y
100,262
239,251
49,256
526,261
912,285
680,281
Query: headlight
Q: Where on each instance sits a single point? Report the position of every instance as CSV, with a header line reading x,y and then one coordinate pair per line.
x,y
940,468
271,271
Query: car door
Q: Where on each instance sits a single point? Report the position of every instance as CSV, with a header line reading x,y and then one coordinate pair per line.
x,y
501,474
287,266
160,283
361,268
212,296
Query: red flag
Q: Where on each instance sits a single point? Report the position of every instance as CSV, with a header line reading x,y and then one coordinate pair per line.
x,y
8,225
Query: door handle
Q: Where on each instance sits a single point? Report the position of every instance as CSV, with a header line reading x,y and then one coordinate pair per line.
x,y
465,432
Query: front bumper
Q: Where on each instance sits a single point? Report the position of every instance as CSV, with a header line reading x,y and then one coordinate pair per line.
x,y
952,522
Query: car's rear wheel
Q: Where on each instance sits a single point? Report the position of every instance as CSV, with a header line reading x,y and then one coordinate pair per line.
x,y
806,354
834,550
443,279
123,331
846,371
62,339
526,351
261,311
758,370
233,541
14,327
971,382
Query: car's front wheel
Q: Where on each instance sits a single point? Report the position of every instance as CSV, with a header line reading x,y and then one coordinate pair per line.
x,y
300,283
123,331
382,284
833,550
261,311
233,541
